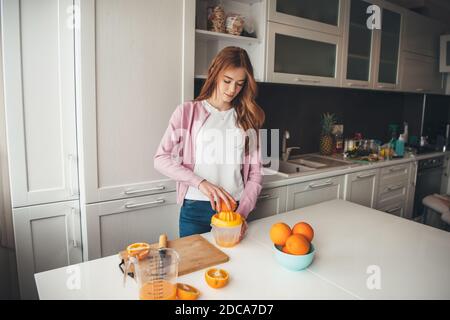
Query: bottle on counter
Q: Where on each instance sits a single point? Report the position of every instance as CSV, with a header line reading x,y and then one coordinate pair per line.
x,y
400,146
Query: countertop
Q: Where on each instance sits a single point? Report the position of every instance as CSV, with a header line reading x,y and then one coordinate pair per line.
x,y
353,244
273,180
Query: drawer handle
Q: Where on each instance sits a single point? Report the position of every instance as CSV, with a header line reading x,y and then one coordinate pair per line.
x,y
351,84
400,186
145,190
396,169
138,205
362,176
393,209
264,196
306,80
320,185
74,235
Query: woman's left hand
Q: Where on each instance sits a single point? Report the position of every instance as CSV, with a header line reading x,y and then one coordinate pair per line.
x,y
244,228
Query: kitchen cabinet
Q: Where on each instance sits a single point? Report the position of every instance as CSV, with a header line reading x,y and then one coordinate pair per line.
x,y
270,202
130,78
302,56
359,44
46,237
409,207
208,43
421,74
388,53
422,35
113,225
39,90
312,192
361,188
393,188
318,15
396,208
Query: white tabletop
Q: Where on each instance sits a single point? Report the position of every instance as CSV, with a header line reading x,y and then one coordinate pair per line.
x,y
355,245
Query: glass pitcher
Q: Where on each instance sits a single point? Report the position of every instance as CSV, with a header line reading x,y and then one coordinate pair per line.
x,y
155,273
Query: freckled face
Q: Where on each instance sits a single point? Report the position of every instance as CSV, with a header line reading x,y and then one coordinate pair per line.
x,y
230,83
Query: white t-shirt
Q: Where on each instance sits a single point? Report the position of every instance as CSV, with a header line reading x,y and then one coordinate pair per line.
x,y
219,153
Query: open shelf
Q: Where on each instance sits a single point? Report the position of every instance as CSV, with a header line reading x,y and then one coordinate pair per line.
x,y
209,35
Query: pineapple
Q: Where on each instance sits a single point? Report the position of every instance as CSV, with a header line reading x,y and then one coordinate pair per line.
x,y
326,139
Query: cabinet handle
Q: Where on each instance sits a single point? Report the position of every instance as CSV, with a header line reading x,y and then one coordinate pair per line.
x,y
264,196
306,80
145,190
320,185
74,240
396,169
400,186
393,209
73,188
361,85
137,205
362,176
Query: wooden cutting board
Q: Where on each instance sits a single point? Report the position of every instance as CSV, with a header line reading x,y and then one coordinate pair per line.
x,y
195,252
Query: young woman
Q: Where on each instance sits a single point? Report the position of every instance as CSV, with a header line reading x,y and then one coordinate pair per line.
x,y
211,146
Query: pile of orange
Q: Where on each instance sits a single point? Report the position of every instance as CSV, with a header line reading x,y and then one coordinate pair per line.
x,y
295,241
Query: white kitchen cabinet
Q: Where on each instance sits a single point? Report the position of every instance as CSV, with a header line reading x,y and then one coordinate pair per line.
x,y
393,187
312,192
113,225
409,207
362,188
130,78
39,80
359,44
208,43
421,74
422,35
387,55
46,237
270,202
318,15
302,56
396,208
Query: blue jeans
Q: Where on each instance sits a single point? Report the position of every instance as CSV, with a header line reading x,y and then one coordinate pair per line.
x,y
195,217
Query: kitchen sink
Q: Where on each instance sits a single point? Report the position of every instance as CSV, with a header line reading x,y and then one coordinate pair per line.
x,y
315,161
289,169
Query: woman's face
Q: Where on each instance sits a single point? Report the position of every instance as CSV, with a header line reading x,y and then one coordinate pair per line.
x,y
230,83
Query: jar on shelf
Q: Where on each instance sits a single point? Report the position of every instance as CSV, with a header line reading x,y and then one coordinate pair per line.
x,y
216,18
235,24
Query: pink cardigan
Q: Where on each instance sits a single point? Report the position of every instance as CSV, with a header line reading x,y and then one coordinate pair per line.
x,y
175,156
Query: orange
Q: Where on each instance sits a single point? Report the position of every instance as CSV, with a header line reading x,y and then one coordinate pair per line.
x,y
187,292
216,278
285,250
224,208
297,245
279,233
304,229
158,290
139,250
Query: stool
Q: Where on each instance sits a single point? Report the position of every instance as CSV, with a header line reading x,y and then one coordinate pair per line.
x,y
436,211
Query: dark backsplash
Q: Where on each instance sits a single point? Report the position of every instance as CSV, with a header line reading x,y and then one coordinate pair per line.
x,y
299,110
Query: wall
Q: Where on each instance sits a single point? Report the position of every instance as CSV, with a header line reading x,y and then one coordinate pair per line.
x,y
299,110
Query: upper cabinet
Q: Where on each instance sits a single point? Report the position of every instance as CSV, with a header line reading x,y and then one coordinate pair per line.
x,y
318,15
212,34
39,78
387,57
422,35
359,43
130,78
302,56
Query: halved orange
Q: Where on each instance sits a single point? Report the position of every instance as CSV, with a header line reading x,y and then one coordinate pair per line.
x,y
138,250
216,278
187,292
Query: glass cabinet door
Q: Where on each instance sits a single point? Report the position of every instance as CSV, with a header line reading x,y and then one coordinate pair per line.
x,y
359,49
317,15
302,56
389,47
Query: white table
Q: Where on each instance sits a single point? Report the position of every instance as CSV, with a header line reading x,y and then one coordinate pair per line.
x,y
354,244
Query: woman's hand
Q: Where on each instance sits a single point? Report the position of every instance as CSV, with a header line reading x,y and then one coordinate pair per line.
x,y
214,194
244,228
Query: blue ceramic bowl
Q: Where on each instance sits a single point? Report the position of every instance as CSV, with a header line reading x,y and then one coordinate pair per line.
x,y
293,262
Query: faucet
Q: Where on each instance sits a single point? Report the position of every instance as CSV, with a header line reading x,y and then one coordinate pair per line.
x,y
285,152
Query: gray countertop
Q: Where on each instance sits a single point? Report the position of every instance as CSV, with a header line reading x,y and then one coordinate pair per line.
x,y
273,180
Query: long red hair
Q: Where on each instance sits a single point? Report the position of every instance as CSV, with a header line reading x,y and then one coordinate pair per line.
x,y
249,113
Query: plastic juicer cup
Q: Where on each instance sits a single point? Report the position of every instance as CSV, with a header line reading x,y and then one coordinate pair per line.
x,y
226,228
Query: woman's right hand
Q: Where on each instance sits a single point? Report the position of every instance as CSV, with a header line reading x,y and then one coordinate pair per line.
x,y
214,194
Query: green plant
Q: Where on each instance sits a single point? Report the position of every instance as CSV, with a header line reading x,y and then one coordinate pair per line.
x,y
328,121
